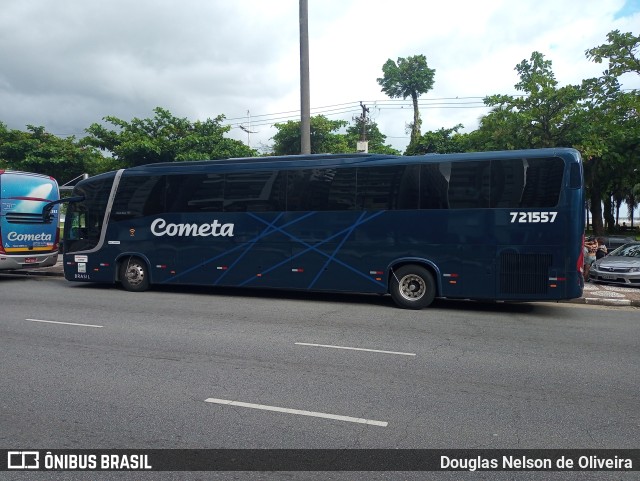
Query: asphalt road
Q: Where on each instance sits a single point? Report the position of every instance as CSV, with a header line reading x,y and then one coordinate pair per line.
x,y
112,369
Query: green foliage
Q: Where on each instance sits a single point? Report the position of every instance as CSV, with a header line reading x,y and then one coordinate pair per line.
x,y
610,133
165,138
38,151
441,141
409,77
544,116
620,51
324,137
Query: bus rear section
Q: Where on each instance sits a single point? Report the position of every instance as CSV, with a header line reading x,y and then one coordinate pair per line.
x,y
27,240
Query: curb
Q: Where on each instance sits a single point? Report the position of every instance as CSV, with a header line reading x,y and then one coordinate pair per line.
x,y
607,302
600,301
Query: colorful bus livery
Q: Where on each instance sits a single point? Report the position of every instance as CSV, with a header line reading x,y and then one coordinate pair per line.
x,y
491,225
27,240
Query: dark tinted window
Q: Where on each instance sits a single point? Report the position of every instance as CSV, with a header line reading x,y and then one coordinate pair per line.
x,y
469,185
254,192
409,189
195,193
543,181
321,189
139,196
575,176
528,183
386,188
342,191
307,190
507,182
84,219
434,185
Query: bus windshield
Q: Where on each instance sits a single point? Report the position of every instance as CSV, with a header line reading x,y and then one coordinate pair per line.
x,y
26,239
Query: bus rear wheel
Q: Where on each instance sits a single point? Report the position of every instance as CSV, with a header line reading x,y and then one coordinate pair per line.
x,y
134,274
412,287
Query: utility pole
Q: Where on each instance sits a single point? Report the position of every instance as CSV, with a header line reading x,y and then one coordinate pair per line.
x,y
248,129
305,101
363,144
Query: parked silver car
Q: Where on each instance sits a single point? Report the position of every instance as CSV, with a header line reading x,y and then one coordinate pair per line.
x,y
621,266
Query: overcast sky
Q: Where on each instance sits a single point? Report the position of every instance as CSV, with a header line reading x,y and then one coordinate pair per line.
x,y
65,64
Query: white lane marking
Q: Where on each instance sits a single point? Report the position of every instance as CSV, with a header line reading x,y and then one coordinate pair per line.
x,y
297,411
356,349
66,323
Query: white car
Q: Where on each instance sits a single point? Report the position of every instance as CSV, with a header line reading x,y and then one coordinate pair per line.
x,y
621,266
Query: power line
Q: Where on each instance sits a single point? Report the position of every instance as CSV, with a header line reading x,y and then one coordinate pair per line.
x,y
353,107
345,108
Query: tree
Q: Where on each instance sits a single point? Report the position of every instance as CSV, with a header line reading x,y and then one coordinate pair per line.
x,y
409,77
544,116
441,141
38,151
611,145
324,137
165,138
620,51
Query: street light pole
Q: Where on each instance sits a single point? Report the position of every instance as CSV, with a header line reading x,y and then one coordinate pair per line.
x,y
305,102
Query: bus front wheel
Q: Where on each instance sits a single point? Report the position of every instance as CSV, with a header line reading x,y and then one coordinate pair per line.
x,y
412,287
134,275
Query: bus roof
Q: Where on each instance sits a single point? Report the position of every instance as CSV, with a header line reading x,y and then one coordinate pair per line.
x,y
19,172
332,160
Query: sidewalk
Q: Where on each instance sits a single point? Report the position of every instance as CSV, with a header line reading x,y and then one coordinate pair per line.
x,y
597,294
609,295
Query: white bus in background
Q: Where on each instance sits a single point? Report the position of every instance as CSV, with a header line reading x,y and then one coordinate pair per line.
x,y
27,239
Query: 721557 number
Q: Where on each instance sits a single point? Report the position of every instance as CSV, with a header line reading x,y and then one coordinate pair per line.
x,y
533,217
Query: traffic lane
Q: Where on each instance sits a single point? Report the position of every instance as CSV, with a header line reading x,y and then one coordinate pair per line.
x,y
371,316
132,338
273,377
268,327
228,326
262,321
93,399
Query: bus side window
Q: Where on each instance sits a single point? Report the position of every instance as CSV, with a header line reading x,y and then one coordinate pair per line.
x,y
195,193
507,182
308,189
139,196
469,185
380,188
543,182
342,190
254,191
434,185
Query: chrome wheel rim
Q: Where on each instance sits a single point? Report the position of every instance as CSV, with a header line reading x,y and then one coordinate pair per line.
x,y
135,274
412,287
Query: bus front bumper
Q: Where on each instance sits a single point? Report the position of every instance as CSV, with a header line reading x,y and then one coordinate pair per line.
x,y
27,261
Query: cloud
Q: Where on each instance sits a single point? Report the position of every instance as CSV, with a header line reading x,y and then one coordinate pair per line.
x,y
69,63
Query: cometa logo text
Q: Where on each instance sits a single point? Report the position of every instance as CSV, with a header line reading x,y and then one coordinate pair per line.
x,y
160,227
14,236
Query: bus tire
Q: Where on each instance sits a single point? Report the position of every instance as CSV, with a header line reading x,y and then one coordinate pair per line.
x,y
412,287
134,274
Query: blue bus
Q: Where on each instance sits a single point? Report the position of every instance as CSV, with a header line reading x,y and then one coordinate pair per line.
x,y
491,225
27,240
